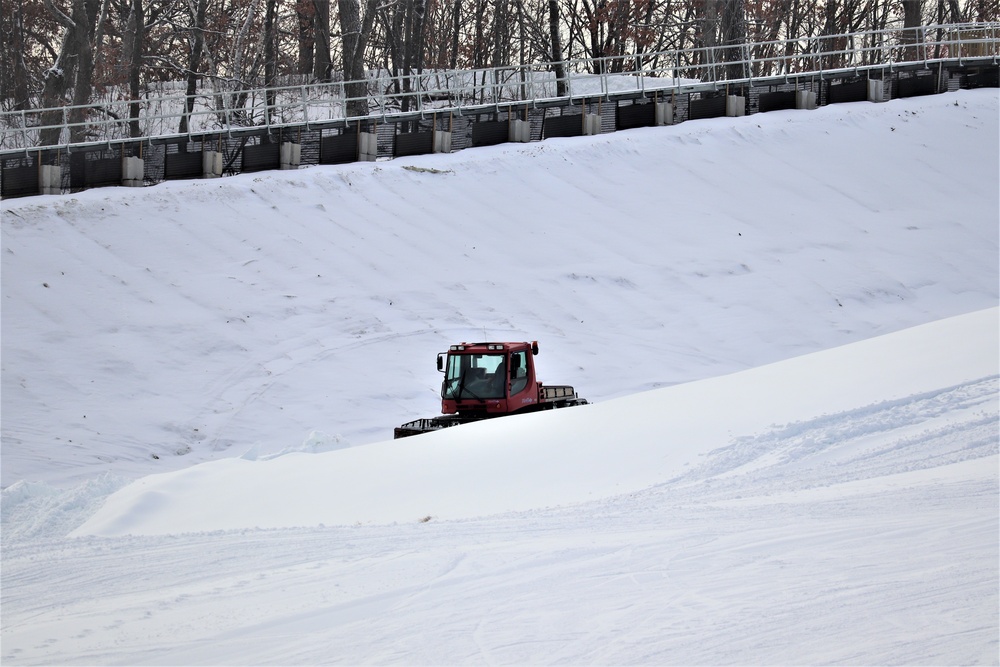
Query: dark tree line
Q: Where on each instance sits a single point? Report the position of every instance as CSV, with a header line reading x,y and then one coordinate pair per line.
x,y
58,53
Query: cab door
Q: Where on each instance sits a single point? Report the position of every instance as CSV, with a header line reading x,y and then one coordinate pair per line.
x,y
523,389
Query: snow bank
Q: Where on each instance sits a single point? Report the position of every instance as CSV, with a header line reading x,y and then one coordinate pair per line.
x,y
556,458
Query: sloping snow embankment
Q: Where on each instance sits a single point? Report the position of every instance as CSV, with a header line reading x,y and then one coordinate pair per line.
x,y
863,535
148,329
564,457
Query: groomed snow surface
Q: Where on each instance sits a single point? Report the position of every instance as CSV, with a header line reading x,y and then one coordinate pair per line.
x,y
788,326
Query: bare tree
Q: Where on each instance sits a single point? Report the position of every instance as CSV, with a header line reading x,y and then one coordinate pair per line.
x,y
456,26
305,13
64,53
707,39
270,56
135,33
355,34
196,41
557,59
402,26
16,24
733,35
322,61
72,71
911,32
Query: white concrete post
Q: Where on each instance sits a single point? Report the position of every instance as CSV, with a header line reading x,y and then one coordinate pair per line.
x,y
805,99
664,113
367,147
736,105
50,179
591,124
519,132
133,172
442,142
291,155
876,92
211,164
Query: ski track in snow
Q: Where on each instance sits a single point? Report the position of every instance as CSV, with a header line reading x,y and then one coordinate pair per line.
x,y
701,569
927,431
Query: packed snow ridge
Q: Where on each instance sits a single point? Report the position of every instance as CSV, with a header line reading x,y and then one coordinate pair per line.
x,y
620,446
788,326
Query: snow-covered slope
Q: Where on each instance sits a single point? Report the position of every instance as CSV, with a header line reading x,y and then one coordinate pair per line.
x,y
621,446
815,480
863,531
144,331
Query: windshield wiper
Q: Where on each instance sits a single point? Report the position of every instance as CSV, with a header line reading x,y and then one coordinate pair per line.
x,y
461,387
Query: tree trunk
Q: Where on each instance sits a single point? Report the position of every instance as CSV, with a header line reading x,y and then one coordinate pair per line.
x,y
306,36
194,61
986,10
136,32
407,52
911,36
830,28
956,12
478,50
270,57
13,70
455,28
733,33
708,26
54,89
321,35
501,36
557,59
355,35
73,69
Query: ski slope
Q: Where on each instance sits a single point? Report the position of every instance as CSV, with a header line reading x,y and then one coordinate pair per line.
x,y
787,324
195,320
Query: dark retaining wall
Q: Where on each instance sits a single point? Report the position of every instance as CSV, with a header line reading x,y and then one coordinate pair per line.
x,y
181,159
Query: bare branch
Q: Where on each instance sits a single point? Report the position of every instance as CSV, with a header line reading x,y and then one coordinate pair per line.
x,y
60,16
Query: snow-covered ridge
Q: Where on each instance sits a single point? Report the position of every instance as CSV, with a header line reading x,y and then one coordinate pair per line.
x,y
654,439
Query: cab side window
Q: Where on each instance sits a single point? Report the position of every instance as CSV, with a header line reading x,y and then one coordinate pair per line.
x,y
518,372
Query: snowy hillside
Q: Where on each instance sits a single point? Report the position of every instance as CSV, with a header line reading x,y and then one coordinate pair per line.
x,y
788,325
860,535
147,330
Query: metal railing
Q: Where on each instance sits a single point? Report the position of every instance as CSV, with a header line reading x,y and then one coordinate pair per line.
x,y
221,110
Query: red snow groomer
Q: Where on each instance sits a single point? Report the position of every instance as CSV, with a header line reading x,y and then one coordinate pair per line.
x,y
484,380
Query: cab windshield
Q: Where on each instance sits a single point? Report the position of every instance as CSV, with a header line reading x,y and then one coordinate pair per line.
x,y
475,376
